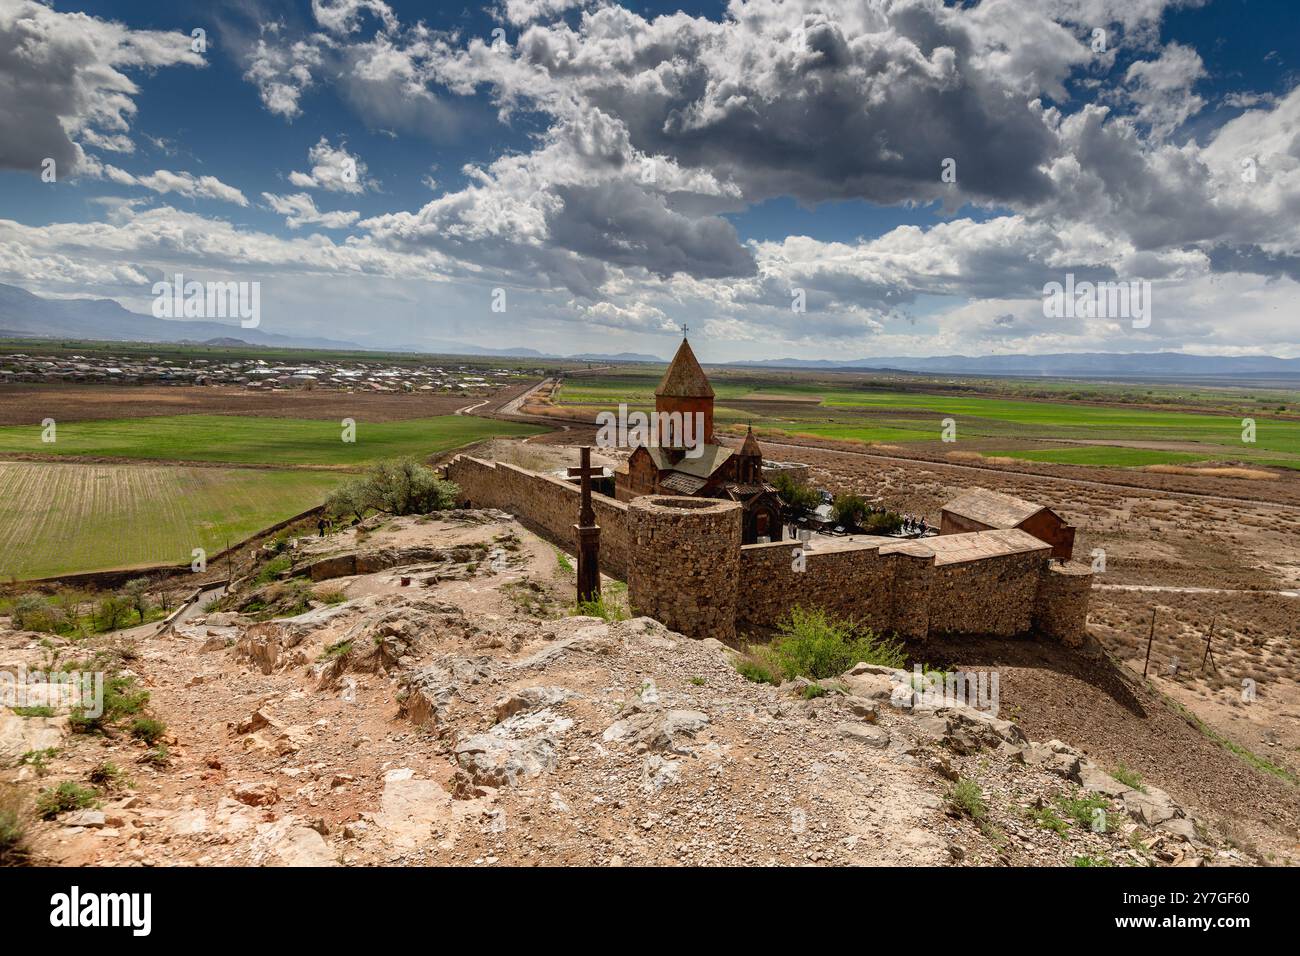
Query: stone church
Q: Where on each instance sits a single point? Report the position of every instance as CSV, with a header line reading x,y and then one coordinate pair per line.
x,y
692,464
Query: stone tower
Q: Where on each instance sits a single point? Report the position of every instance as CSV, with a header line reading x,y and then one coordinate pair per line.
x,y
684,567
684,391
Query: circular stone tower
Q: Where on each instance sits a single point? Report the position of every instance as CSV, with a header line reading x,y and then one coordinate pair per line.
x,y
684,567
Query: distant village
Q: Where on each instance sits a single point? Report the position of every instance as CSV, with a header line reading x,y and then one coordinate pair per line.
x,y
252,373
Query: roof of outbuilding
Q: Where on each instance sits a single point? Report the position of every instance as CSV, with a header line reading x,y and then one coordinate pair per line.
x,y
993,508
684,378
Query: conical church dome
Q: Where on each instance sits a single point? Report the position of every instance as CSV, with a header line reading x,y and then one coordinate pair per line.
x,y
684,378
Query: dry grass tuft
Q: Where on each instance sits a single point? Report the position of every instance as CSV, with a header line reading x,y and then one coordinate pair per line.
x,y
1249,474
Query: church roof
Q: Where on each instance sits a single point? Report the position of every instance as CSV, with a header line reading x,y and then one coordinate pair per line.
x,y
682,484
708,461
684,378
750,448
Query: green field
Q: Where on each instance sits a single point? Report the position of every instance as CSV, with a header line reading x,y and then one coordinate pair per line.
x,y
862,412
63,518
60,518
263,441
1111,456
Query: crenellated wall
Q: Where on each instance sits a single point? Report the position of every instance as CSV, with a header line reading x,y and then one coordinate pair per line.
x,y
685,566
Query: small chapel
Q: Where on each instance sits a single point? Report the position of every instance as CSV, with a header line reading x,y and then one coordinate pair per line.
x,y
672,463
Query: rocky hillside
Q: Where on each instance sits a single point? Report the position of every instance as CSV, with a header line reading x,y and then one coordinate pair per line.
x,y
436,705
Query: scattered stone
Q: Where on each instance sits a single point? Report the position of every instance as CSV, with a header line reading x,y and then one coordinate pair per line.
x,y
876,737
259,794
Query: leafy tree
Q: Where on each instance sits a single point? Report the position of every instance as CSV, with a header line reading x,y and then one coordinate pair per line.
x,y
850,510
112,612
398,487
882,522
137,594
31,612
348,498
798,497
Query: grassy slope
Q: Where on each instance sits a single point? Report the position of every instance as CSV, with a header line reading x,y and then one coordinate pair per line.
x,y
68,518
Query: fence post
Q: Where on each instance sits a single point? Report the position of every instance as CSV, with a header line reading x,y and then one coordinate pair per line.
x,y
1150,636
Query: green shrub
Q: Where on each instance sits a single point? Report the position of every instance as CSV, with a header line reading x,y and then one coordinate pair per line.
x,y
158,756
337,649
13,826
107,776
602,608
811,643
398,487
1082,810
966,797
271,570
67,796
1130,778
850,510
31,612
39,760
1047,818
122,699
756,670
137,593
148,729
882,522
34,711
813,691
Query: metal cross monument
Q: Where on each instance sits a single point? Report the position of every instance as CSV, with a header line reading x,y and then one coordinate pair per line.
x,y
588,532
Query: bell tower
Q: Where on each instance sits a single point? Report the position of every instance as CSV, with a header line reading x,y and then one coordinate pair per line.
x,y
684,392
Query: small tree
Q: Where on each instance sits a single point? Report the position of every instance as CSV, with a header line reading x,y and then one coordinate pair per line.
x,y
349,498
31,612
850,510
112,612
137,595
798,497
882,522
405,487
164,588
398,487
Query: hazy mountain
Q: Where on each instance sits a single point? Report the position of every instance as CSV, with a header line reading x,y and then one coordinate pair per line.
x,y
617,357
1080,364
26,315
23,314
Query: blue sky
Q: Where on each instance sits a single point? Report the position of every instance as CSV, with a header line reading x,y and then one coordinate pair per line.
x,y
795,147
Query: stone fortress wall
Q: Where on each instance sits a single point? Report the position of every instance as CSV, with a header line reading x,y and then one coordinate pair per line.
x,y
685,566
544,505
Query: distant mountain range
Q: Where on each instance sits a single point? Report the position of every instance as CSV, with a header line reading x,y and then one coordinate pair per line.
x,y
24,315
1061,365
